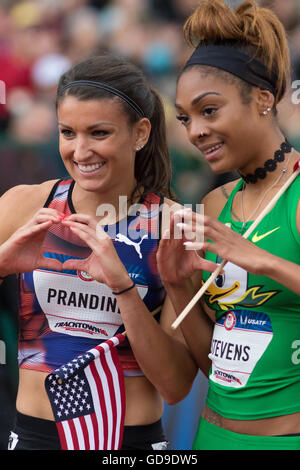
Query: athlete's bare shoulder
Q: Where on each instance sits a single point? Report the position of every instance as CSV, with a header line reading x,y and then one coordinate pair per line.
x,y
215,200
20,203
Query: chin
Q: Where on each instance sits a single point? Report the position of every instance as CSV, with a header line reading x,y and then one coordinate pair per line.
x,y
219,168
91,186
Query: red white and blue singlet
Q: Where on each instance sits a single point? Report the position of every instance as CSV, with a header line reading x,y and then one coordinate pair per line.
x,y
63,314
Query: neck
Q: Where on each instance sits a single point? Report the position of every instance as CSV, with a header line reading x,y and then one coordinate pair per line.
x,y
272,180
267,162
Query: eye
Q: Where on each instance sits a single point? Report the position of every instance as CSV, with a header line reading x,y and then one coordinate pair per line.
x,y
184,120
209,111
220,280
100,133
67,133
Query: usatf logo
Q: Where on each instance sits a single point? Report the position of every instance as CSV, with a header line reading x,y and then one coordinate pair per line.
x,y
230,321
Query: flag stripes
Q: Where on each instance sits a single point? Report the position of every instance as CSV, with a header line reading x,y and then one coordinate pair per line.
x,y
90,392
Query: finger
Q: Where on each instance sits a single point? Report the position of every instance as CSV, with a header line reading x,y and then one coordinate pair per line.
x,y
89,231
49,212
34,230
184,214
75,264
100,233
85,236
45,217
81,218
197,246
166,235
212,247
189,232
189,216
194,219
49,263
206,265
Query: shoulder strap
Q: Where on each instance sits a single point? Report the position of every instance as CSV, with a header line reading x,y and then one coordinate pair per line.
x,y
55,188
52,192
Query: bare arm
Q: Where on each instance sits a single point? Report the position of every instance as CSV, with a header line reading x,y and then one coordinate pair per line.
x,y
161,354
181,271
231,246
24,225
164,358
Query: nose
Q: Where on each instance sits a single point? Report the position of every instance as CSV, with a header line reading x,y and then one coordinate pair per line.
x,y
197,130
82,149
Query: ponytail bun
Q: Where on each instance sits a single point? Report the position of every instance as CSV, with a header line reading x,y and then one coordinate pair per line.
x,y
256,31
213,22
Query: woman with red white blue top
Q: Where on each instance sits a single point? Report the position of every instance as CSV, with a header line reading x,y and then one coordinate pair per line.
x,y
78,288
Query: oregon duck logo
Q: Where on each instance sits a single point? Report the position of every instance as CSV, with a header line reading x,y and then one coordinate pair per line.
x,y
231,288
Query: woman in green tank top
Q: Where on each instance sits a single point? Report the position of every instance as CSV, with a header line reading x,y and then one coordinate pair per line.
x,y
246,335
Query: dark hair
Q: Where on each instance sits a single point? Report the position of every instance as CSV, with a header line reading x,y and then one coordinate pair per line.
x,y
253,30
152,163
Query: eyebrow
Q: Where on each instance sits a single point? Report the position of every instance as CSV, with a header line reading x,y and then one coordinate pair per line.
x,y
93,126
199,98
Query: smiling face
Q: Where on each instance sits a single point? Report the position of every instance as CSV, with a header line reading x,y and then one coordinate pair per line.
x,y
98,145
224,128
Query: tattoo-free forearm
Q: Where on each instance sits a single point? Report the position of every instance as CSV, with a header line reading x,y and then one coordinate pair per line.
x,y
197,327
165,361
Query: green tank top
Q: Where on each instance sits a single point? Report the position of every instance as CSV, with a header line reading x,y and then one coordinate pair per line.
x,y
255,349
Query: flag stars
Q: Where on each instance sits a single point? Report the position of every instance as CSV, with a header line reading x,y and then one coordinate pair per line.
x,y
71,390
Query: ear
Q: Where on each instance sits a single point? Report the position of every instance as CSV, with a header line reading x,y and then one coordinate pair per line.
x,y
265,101
141,133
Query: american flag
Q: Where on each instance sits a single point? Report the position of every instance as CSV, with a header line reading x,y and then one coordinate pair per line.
x,y
87,397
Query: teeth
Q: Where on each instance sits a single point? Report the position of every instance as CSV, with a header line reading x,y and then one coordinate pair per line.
x,y
92,167
212,149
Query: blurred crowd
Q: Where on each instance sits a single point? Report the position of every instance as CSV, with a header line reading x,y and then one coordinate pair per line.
x,y
40,39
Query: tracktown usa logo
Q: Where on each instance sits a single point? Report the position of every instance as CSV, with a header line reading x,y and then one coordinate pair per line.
x,y
226,377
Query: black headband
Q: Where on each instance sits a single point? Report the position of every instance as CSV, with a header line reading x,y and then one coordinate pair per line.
x,y
238,63
108,88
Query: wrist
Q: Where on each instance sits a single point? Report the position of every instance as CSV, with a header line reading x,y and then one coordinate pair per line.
x,y
126,289
269,264
264,265
121,284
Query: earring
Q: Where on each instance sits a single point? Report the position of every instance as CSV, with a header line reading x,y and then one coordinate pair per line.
x,y
266,111
139,147
202,134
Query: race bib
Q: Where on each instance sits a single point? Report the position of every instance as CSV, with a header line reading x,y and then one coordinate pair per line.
x,y
240,339
78,305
